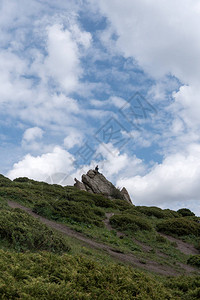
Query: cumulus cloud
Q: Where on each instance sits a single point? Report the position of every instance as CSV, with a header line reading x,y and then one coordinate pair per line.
x,y
62,62
112,163
44,166
173,183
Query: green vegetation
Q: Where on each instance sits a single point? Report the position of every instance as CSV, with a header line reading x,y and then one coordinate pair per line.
x,y
23,232
185,212
157,212
38,263
127,222
48,276
184,287
194,260
180,227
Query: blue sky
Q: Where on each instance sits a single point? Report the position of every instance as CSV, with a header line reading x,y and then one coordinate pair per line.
x,y
108,82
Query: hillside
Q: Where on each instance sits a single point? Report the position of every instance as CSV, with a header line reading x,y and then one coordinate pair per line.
x,y
62,243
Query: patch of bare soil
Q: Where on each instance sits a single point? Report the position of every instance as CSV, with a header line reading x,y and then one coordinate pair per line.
x,y
108,225
126,258
107,221
184,247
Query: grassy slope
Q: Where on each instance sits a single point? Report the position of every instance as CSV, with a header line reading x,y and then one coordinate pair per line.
x,y
94,274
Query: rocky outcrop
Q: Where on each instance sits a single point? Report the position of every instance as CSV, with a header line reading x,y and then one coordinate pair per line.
x,y
96,183
125,195
79,185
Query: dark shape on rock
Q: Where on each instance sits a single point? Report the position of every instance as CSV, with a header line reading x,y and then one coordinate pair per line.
x,y
96,183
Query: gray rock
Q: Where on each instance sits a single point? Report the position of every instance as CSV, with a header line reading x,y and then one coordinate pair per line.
x,y
125,195
79,185
94,182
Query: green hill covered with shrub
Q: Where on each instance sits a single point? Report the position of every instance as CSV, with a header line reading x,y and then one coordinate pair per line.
x,y
36,262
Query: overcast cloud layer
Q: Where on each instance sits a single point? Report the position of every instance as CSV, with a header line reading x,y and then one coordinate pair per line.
x,y
67,68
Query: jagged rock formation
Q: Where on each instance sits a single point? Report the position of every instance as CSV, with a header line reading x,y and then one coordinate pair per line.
x,y
125,195
79,185
94,182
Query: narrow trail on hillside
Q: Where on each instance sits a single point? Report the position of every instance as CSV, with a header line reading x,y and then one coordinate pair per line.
x,y
126,258
181,246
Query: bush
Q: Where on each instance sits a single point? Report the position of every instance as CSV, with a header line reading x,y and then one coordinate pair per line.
x,y
161,239
157,212
194,260
151,211
128,222
70,211
21,179
116,193
4,181
185,212
179,226
23,232
122,204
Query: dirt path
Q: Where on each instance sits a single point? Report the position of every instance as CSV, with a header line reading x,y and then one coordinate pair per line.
x,y
126,258
108,226
181,246
107,221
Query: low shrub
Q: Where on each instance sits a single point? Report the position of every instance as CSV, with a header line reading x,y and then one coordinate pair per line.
x,y
23,232
179,226
46,276
128,222
151,211
116,193
157,212
71,211
185,212
161,239
194,260
5,181
122,204
184,287
21,179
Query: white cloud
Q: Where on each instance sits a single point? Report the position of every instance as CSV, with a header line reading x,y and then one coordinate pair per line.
x,y
114,164
32,139
174,183
36,77
73,138
162,36
42,167
33,133
62,62
187,104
